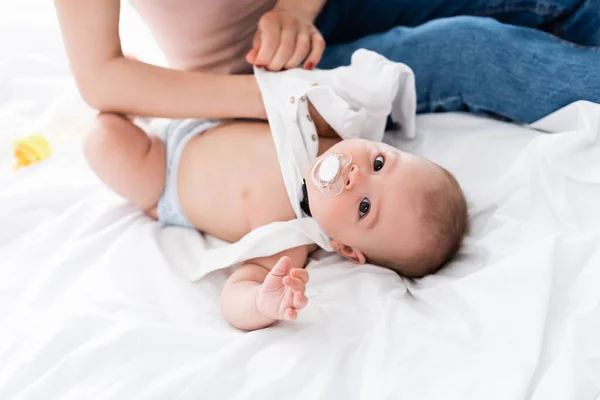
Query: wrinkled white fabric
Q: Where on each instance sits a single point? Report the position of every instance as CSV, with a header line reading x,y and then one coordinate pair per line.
x,y
95,302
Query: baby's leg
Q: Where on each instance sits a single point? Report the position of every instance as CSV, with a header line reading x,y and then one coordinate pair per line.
x,y
127,160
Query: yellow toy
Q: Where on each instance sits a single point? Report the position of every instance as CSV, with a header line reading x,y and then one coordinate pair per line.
x,y
30,149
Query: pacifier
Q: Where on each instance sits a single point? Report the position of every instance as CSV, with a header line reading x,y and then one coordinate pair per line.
x,y
330,172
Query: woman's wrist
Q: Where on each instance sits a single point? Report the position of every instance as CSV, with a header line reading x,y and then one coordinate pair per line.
x,y
225,97
309,9
252,101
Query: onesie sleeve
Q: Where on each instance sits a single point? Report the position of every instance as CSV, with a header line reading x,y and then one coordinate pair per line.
x,y
356,100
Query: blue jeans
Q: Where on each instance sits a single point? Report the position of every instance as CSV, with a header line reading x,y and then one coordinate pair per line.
x,y
514,59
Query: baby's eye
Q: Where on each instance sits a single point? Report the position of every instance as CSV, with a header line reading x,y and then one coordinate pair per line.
x,y
378,163
364,207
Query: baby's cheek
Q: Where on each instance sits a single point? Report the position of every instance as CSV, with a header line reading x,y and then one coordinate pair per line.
x,y
336,221
325,215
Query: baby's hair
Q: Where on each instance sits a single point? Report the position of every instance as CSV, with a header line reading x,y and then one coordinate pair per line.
x,y
444,216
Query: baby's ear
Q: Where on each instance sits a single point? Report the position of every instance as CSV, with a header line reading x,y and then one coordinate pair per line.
x,y
350,253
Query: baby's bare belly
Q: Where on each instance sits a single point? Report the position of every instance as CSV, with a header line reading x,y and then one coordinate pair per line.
x,y
230,182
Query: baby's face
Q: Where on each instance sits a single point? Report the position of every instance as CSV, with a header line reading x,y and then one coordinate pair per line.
x,y
377,212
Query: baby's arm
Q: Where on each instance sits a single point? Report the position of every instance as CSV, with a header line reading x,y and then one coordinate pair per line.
x,y
266,289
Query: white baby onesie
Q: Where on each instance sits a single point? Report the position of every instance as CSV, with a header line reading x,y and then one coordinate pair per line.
x,y
356,101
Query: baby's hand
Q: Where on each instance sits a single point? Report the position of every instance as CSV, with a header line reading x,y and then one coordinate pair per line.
x,y
282,293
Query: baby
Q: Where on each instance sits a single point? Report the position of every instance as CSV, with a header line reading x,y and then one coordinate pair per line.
x,y
374,202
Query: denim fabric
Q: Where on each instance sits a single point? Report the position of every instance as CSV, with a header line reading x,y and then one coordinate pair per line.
x,y
514,59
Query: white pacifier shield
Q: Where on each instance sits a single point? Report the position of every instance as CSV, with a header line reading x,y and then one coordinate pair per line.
x,y
328,173
329,168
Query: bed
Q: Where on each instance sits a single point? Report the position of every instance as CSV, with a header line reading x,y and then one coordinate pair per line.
x,y
95,300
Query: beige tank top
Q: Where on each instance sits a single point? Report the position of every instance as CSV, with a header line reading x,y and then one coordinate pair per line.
x,y
207,35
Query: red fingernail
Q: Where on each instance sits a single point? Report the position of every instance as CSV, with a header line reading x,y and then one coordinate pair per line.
x,y
259,66
310,65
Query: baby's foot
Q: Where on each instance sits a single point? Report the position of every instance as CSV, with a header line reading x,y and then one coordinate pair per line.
x,y
282,293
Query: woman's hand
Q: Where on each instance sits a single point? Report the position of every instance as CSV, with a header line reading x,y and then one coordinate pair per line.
x,y
285,38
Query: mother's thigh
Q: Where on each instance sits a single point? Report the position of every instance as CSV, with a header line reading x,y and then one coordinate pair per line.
x,y
343,21
484,66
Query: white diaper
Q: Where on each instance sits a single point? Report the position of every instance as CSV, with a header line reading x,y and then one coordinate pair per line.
x,y
176,135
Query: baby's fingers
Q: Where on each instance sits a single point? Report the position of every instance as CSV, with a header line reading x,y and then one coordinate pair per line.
x,y
282,268
300,300
274,279
290,314
300,273
294,283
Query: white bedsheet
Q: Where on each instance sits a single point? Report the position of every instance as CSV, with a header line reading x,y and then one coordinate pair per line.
x,y
94,302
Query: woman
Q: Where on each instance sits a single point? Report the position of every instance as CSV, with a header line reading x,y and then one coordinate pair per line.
x,y
546,59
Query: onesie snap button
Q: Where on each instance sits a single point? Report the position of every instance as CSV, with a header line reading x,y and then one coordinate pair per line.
x,y
314,137
292,100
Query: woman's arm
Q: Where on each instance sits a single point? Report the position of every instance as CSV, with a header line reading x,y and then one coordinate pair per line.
x,y
110,82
